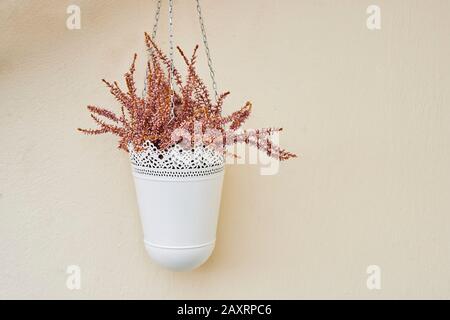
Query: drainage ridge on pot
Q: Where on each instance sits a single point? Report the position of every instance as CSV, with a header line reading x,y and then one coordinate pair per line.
x,y
178,193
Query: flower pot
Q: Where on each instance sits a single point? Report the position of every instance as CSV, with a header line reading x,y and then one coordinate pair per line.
x,y
178,193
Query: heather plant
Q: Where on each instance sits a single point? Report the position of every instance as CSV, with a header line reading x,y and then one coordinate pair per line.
x,y
171,106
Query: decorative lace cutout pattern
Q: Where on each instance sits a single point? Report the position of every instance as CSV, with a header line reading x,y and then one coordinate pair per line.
x,y
176,162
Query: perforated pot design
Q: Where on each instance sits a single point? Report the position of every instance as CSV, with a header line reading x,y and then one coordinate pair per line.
x,y
178,193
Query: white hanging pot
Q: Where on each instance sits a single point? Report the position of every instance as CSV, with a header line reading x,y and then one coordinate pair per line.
x,y
178,193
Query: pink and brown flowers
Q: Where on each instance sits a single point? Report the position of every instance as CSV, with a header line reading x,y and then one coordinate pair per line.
x,y
164,112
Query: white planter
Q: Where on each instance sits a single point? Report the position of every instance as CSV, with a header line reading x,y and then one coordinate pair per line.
x,y
178,193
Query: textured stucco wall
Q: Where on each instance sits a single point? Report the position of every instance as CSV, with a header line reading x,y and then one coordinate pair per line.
x,y
368,111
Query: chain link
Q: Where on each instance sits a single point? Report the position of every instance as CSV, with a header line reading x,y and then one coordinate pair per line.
x,y
207,51
171,75
157,13
155,29
171,49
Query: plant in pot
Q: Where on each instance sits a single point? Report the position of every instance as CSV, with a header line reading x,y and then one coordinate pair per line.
x,y
177,139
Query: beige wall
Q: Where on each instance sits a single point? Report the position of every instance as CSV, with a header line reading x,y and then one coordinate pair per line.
x,y
368,111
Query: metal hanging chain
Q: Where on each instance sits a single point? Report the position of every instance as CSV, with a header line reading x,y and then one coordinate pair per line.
x,y
208,54
171,74
157,13
171,50
155,29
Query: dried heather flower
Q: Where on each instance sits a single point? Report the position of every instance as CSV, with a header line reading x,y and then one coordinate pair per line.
x,y
151,118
